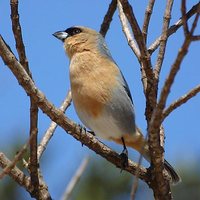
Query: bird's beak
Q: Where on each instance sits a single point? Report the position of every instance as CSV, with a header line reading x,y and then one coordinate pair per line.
x,y
61,35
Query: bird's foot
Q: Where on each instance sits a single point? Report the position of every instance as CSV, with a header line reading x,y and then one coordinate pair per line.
x,y
124,159
92,132
124,156
84,130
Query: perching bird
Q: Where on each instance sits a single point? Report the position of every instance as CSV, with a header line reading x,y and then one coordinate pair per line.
x,y
100,94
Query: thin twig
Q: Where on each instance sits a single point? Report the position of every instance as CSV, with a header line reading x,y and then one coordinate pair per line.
x,y
159,142
16,27
13,163
128,11
33,107
108,18
145,60
184,18
34,165
60,118
156,121
195,37
180,101
17,175
171,77
195,23
164,37
136,179
75,179
147,18
174,28
127,31
50,131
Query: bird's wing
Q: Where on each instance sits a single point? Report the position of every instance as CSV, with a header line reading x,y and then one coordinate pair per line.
x,y
126,87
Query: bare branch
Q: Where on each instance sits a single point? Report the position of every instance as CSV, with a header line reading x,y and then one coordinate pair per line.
x,y
154,128
145,58
173,28
145,61
127,31
16,27
194,24
181,101
17,175
195,37
17,158
108,18
34,165
58,116
128,11
183,10
75,179
147,18
156,121
50,131
136,179
164,37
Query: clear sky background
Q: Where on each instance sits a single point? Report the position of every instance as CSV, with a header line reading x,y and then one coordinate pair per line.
x,y
49,66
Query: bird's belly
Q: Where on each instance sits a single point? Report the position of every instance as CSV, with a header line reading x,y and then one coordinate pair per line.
x,y
105,122
91,112
104,126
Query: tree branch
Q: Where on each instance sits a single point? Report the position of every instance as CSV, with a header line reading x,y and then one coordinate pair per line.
x,y
181,101
156,141
75,179
127,31
12,164
184,18
174,28
16,27
147,18
163,41
155,124
17,175
50,131
58,116
145,61
108,18
195,37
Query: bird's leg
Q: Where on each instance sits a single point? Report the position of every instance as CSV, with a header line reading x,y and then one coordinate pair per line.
x,y
124,155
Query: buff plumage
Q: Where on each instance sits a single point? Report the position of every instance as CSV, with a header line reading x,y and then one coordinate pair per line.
x,y
100,93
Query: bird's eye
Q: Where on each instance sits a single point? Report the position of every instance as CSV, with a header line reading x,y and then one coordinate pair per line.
x,y
76,31
73,31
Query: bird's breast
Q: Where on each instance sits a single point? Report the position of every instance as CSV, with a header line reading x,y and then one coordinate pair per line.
x,y
92,84
89,97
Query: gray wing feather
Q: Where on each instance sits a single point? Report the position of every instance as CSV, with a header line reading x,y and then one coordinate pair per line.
x,y
126,87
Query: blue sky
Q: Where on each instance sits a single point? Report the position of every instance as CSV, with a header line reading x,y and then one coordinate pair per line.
x,y
49,66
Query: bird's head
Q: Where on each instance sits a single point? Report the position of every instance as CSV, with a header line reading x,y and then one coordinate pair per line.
x,y
78,39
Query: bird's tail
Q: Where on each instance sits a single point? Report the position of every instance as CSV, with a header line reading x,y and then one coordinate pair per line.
x,y
138,143
171,171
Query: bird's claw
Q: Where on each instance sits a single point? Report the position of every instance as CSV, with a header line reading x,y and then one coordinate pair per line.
x,y
124,159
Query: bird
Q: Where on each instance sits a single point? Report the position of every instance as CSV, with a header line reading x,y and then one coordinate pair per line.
x,y
100,93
